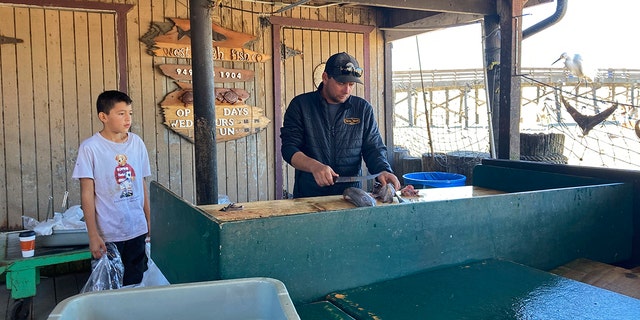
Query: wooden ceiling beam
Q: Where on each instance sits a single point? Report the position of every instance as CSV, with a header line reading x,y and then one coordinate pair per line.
x,y
483,7
394,30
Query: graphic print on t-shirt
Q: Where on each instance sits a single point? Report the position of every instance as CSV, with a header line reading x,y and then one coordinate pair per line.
x,y
125,175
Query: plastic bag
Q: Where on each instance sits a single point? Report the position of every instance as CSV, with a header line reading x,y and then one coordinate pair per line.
x,y
153,276
44,228
71,219
29,223
107,272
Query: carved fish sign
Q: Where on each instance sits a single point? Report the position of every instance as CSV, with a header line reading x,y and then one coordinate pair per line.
x,y
228,45
233,120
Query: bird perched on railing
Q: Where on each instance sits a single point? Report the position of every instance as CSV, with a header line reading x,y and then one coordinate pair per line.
x,y
575,66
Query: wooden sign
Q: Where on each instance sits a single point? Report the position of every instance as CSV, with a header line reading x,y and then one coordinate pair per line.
x,y
233,120
228,95
183,72
175,42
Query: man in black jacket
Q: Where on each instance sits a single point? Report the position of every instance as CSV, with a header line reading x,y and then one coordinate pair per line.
x,y
327,133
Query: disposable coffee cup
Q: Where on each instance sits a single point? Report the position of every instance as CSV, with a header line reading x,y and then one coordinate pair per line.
x,y
27,243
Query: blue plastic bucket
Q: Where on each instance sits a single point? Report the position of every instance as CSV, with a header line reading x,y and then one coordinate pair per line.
x,y
434,179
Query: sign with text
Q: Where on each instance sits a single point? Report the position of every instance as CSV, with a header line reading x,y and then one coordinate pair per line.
x,y
233,120
181,72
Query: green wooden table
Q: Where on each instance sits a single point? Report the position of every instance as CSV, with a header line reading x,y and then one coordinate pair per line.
x,y
23,274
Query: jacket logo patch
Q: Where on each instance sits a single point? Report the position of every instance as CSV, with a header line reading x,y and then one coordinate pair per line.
x,y
351,121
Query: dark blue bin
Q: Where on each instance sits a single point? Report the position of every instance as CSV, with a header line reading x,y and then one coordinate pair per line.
x,y
434,179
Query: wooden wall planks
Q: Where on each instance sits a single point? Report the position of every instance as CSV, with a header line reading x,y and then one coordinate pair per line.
x,y
25,171
11,123
49,83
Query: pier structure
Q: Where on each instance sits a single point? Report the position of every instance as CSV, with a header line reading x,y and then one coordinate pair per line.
x,y
441,111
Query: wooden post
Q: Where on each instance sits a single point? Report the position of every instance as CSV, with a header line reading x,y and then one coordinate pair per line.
x,y
388,100
508,138
204,109
491,34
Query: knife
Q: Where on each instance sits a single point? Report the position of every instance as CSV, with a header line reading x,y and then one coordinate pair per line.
x,y
356,178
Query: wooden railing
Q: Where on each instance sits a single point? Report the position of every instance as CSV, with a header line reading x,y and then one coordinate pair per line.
x,y
442,79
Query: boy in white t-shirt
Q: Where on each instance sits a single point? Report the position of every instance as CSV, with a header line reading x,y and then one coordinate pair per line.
x,y
112,166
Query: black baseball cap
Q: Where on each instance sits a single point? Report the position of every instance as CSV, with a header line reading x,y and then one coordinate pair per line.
x,y
344,68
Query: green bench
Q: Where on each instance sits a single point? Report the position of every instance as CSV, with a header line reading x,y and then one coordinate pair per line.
x,y
487,289
22,274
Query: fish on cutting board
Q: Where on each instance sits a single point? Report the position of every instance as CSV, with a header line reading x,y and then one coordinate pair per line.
x,y
384,193
409,191
358,197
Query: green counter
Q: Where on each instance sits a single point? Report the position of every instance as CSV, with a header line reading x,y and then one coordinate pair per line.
x,y
321,252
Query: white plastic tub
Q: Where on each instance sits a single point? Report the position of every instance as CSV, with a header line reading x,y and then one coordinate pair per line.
x,y
241,299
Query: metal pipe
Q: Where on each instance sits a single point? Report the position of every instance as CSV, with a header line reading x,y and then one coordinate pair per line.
x,y
561,9
204,108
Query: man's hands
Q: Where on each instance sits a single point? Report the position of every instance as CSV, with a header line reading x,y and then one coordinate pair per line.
x,y
388,177
324,175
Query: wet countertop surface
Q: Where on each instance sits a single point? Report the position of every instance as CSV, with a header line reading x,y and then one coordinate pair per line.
x,y
274,208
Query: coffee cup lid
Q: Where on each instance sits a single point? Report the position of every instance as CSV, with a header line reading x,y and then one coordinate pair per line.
x,y
27,233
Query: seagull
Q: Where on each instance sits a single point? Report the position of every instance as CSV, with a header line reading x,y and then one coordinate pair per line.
x,y
575,67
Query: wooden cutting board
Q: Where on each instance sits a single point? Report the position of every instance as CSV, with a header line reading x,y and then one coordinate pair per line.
x,y
274,208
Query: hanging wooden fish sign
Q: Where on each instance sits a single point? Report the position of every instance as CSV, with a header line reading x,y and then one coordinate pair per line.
x,y
234,118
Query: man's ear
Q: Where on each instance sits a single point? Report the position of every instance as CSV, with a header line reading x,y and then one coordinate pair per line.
x,y
102,116
325,76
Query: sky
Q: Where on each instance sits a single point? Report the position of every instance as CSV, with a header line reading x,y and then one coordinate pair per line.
x,y
605,33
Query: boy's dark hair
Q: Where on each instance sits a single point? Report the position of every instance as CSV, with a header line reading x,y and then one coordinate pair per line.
x,y
109,98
